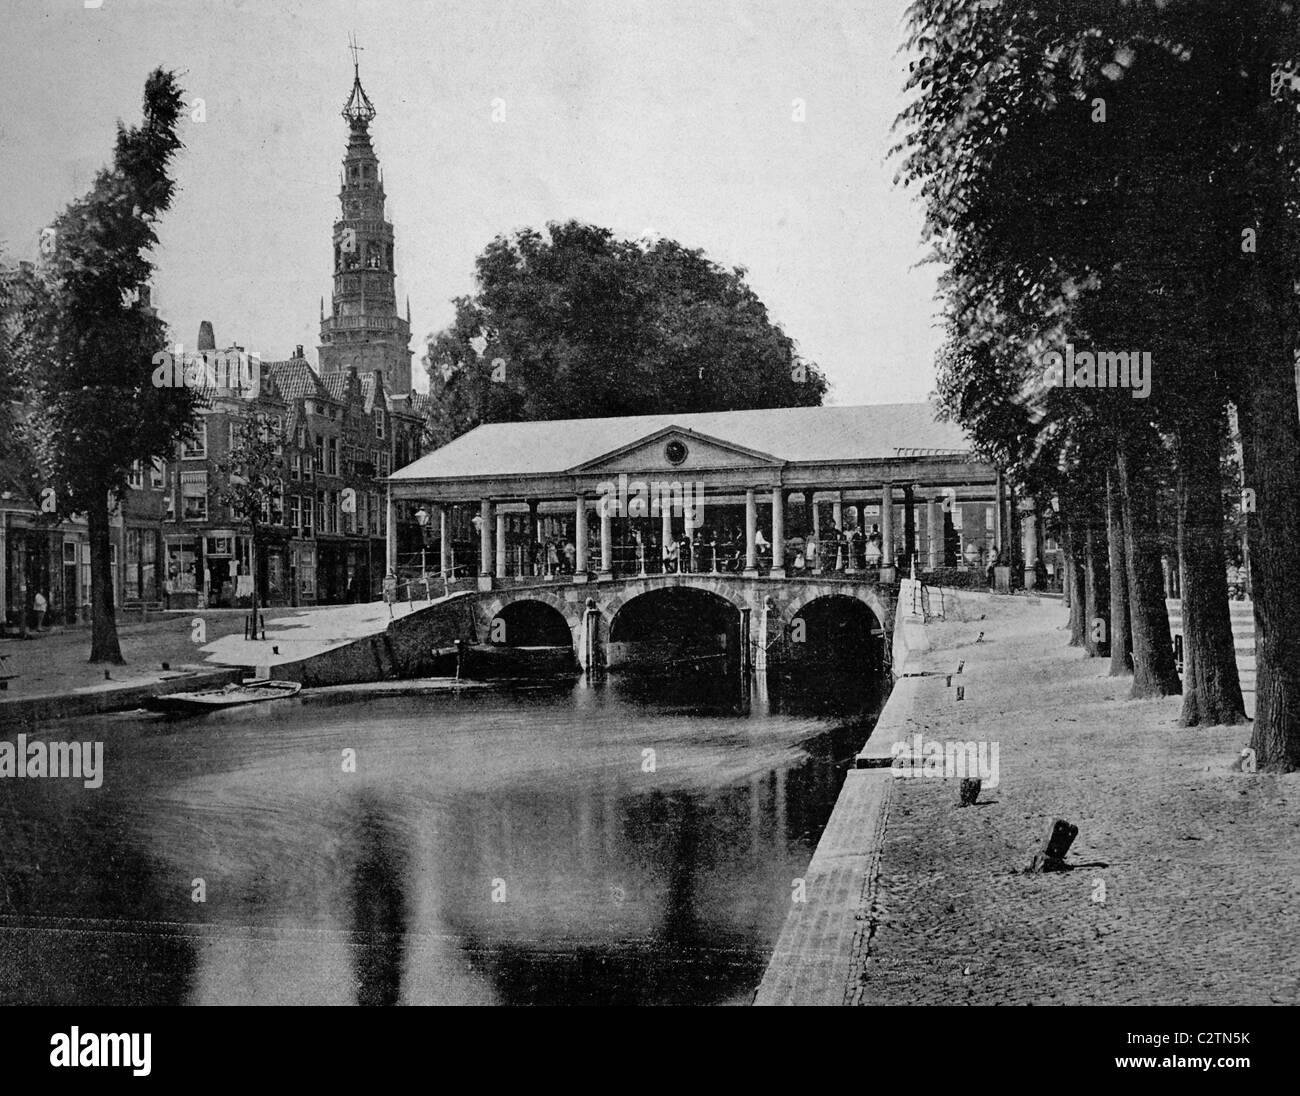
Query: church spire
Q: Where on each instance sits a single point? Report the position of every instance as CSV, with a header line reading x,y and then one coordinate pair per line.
x,y
363,327
358,110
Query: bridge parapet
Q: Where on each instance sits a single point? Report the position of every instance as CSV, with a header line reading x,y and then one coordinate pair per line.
x,y
783,597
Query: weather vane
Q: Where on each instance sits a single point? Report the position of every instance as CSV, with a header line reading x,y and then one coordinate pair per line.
x,y
358,110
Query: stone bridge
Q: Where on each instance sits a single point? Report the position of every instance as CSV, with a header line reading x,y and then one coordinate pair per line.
x,y
785,598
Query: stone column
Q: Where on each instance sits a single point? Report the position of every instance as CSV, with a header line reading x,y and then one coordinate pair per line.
x,y
580,538
534,535
778,533
444,541
933,532
855,512
810,496
665,524
606,540
485,539
887,569
501,543
751,532
390,533
909,525
837,510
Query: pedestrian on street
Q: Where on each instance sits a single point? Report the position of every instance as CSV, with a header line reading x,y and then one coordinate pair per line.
x,y
39,605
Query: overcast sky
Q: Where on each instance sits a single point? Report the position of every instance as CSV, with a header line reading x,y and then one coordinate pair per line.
x,y
658,115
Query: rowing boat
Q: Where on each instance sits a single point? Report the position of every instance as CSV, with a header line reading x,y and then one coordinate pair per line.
x,y
206,700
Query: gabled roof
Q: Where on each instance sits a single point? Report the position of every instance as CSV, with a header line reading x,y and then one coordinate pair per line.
x,y
297,380
791,434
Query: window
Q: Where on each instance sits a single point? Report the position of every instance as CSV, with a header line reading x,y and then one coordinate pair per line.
x,y
198,447
379,423
383,463
131,588
277,428
171,500
320,453
295,512
157,473
277,506
300,438
182,564
332,457
306,558
295,469
135,477
194,496
308,507
374,514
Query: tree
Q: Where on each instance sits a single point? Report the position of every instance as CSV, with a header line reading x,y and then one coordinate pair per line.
x,y
577,323
90,336
1082,166
249,480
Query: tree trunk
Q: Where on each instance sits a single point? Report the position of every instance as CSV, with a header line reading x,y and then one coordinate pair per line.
x,y
252,567
1121,634
1074,579
1153,653
1211,686
1096,590
1271,449
104,646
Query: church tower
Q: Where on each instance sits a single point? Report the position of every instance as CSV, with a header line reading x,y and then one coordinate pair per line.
x,y
363,329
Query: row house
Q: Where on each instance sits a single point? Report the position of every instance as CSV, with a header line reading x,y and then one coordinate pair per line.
x,y
322,541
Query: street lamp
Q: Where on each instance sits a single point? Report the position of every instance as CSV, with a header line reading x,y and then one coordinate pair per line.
x,y
422,519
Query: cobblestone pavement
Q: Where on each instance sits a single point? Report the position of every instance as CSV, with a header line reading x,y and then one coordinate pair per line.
x,y
1186,880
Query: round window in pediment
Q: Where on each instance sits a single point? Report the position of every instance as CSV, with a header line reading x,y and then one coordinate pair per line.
x,y
675,451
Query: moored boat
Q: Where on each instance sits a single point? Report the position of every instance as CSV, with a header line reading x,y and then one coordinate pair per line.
x,y
206,700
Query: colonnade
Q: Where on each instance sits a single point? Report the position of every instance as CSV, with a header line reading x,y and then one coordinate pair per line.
x,y
492,532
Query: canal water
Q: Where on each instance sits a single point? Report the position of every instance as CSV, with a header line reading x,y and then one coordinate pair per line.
x,y
625,841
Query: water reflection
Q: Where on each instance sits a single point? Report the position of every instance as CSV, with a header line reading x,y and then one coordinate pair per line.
x,y
379,908
605,842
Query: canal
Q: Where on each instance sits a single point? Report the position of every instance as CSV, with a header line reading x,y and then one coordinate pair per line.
x,y
627,841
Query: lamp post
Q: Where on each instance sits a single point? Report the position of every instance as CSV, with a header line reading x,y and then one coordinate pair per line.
x,y
422,519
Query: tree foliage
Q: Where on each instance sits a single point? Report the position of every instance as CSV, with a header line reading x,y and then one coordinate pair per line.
x,y
90,337
575,323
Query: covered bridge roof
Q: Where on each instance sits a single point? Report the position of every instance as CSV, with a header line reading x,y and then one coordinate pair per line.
x,y
787,434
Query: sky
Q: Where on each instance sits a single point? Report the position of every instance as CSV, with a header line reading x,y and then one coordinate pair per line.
x,y
665,117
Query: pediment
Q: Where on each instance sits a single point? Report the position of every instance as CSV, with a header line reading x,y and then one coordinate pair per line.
x,y
655,453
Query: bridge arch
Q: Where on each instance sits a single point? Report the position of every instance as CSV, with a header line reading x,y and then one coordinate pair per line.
x,y
531,622
672,623
868,595
501,606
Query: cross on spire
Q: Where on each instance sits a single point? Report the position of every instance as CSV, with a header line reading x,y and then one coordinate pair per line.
x,y
358,110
